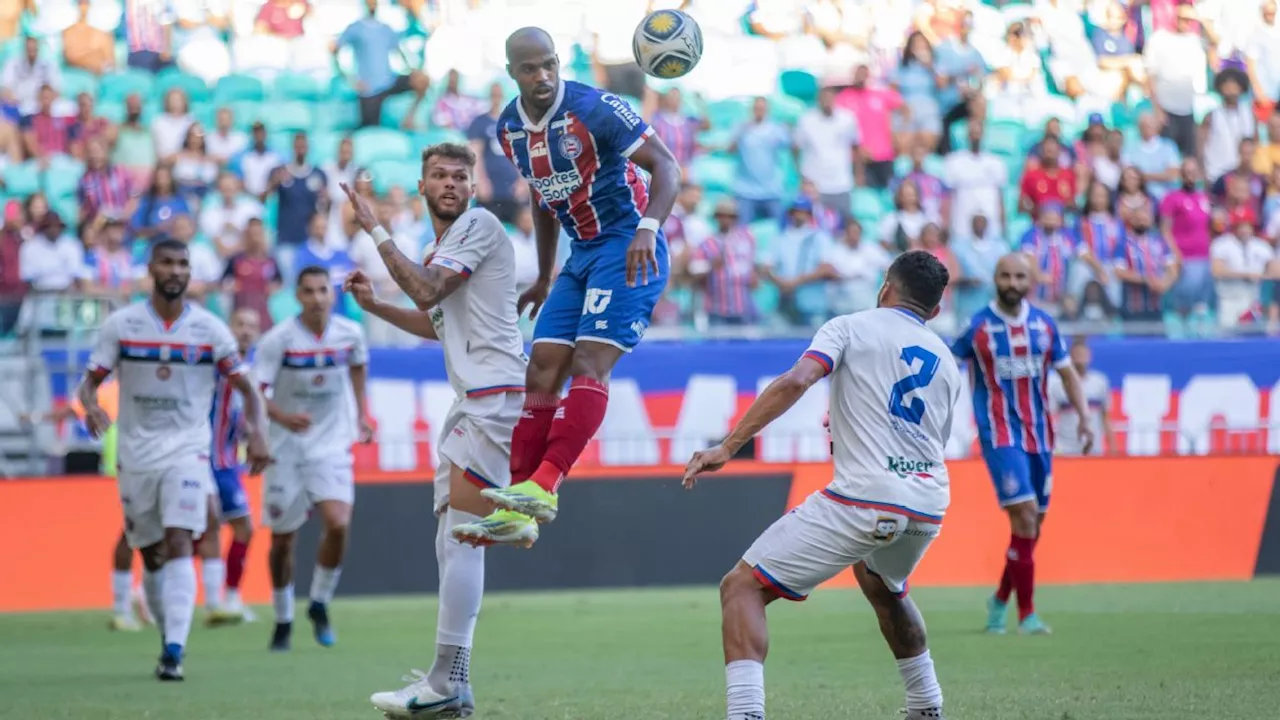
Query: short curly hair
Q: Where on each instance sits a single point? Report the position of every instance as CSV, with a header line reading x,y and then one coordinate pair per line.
x,y
450,151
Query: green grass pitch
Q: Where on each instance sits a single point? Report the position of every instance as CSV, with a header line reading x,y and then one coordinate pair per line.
x,y
1133,652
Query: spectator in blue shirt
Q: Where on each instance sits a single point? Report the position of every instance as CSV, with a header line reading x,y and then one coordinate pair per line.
x,y
759,145
916,80
961,69
795,266
1155,156
373,42
158,207
300,189
977,251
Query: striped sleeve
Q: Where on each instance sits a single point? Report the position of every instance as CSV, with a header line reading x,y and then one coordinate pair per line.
x,y
828,345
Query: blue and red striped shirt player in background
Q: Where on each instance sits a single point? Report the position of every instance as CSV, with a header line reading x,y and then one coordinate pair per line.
x,y
1011,346
227,421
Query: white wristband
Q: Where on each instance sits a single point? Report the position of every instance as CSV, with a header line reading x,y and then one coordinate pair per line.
x,y
380,235
650,224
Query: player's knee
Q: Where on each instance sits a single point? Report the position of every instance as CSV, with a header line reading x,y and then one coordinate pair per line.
x,y
178,543
281,543
594,360
1023,519
737,581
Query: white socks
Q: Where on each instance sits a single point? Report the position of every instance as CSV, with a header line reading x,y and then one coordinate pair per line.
x,y
744,685
214,577
324,581
282,601
233,598
178,598
461,591
152,585
121,591
923,692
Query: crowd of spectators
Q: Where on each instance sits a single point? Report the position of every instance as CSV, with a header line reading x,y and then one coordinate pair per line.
x,y
1130,147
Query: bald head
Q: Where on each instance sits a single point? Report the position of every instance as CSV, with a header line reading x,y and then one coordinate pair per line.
x,y
1013,281
529,41
532,63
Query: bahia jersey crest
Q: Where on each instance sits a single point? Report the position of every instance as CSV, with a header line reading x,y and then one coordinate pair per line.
x,y
1009,363
576,160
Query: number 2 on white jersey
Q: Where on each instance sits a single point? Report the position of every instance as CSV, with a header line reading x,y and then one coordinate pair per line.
x,y
912,411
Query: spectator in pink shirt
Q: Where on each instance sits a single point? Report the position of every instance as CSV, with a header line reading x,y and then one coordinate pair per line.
x,y
1184,223
873,107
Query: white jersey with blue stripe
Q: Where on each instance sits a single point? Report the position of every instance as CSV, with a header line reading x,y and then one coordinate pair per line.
x,y
894,387
1010,359
478,324
312,374
166,374
576,159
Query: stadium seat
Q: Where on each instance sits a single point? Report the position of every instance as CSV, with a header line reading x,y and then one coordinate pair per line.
x,y
786,109
374,144
62,177
867,203
424,140
324,146
337,115
22,179
112,110
800,85
233,88
194,87
714,173
1004,137
118,86
289,116
395,107
295,86
245,113
728,113
395,173
68,208
76,81
765,232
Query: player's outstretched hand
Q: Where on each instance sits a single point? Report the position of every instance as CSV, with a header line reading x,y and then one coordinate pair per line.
x,y
361,288
362,207
641,256
97,421
1086,438
256,453
705,461
366,432
533,298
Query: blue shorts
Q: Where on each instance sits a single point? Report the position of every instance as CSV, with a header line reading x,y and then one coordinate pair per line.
x,y
591,300
1020,476
231,494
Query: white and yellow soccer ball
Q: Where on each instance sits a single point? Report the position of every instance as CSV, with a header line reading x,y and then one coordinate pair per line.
x,y
667,44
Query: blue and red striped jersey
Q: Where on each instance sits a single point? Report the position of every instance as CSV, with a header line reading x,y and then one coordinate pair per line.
x,y
576,160
1009,363
227,420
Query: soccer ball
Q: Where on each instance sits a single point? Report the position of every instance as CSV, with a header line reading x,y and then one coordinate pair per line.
x,y
667,44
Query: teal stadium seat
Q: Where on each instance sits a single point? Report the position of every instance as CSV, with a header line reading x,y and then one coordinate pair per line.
x,y
374,144
715,173
800,85
234,88
292,86
1004,137
728,113
120,85
786,109
395,173
324,146
112,110
62,177
194,87
22,179
765,233
338,116
290,115
424,139
245,113
76,81
68,208
868,205
341,89
395,107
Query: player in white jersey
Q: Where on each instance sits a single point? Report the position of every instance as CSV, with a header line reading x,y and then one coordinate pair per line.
x,y
1097,396
893,388
315,365
164,353
465,292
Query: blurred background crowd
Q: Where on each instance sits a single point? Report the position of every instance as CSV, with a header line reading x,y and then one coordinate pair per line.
x,y
1130,147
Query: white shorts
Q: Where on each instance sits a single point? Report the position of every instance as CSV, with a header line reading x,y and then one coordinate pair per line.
x,y
477,438
176,496
292,486
822,536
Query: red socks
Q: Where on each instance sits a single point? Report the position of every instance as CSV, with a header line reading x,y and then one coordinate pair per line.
x,y
235,563
529,440
577,421
1019,575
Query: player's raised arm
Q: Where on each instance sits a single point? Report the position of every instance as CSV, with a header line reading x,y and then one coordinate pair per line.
x,y
411,320
426,285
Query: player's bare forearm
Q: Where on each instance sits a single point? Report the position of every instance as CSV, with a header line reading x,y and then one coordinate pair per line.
x,y
664,177
255,405
1074,389
425,286
274,412
87,392
359,375
412,321
546,233
784,392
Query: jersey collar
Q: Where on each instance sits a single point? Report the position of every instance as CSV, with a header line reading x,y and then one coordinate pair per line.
x,y
546,118
1024,311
